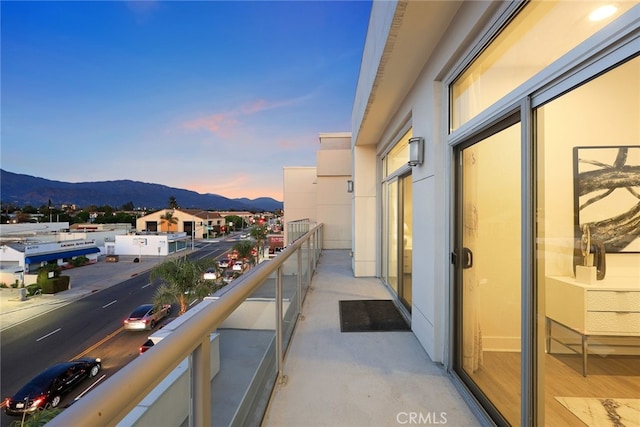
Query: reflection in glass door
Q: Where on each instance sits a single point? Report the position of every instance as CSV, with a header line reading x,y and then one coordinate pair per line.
x,y
390,237
488,271
406,200
588,175
397,237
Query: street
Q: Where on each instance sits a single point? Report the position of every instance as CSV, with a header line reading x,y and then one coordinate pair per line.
x,y
91,326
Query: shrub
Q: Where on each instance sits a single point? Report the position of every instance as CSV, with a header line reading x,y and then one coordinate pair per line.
x,y
79,261
57,284
32,289
43,273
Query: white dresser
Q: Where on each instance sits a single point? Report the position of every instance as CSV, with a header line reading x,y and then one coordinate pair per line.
x,y
609,307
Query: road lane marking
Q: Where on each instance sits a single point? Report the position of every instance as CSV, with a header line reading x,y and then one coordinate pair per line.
x,y
112,302
146,286
99,343
90,387
49,334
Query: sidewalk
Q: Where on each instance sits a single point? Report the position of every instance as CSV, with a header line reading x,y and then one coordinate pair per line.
x,y
84,281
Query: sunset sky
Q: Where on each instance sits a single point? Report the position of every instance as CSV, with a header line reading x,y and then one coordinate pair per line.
x,y
210,96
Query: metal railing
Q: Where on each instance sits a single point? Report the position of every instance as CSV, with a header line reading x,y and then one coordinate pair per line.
x,y
281,281
298,228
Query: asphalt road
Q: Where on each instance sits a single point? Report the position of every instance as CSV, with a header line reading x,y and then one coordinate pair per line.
x,y
91,326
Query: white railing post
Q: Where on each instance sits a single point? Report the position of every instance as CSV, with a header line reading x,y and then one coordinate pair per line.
x,y
200,360
300,283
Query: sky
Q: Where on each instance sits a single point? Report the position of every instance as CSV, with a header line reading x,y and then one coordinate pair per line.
x,y
210,96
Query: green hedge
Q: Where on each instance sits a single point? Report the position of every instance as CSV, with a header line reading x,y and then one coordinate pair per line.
x,y
57,284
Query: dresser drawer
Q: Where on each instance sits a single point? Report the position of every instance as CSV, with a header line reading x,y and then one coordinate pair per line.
x,y
613,300
613,323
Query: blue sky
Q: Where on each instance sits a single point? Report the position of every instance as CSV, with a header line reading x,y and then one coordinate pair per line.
x,y
210,96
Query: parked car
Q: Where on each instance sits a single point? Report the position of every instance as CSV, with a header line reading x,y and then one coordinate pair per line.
x,y
224,263
146,317
45,390
229,275
210,274
237,266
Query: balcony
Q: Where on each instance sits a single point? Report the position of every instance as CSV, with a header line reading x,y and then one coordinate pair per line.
x,y
278,360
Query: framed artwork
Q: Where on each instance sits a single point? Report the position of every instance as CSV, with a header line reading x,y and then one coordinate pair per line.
x,y
607,195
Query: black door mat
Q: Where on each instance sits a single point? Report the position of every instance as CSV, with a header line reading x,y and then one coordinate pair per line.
x,y
371,316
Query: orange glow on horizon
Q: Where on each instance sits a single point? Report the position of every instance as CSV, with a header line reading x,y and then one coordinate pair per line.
x,y
238,192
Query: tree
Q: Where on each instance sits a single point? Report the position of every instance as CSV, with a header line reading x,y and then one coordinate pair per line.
x,y
259,234
169,219
173,203
128,206
37,419
244,248
235,220
182,282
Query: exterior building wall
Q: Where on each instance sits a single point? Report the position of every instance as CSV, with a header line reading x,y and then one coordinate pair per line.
x,y
146,244
413,52
365,212
333,201
299,191
182,217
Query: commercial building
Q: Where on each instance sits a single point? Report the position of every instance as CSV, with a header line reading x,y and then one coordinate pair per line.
x,y
195,222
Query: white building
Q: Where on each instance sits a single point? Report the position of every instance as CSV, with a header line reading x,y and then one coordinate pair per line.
x,y
323,193
21,261
149,244
520,112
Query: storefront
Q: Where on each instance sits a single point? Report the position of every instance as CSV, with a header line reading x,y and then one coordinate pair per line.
x,y
515,246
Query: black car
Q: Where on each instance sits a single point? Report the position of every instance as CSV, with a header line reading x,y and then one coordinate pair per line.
x,y
46,389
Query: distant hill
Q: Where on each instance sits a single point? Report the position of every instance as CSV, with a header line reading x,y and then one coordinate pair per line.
x,y
29,190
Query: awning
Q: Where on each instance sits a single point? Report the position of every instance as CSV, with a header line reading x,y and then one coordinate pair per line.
x,y
34,259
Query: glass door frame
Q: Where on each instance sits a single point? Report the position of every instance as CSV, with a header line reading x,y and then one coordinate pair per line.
x,y
518,113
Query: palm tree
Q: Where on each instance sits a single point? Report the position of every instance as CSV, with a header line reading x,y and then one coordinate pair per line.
x,y
37,419
244,248
259,234
169,219
182,282
173,203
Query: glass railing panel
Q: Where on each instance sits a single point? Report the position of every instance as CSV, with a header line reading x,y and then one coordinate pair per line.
x,y
247,358
238,351
302,255
290,297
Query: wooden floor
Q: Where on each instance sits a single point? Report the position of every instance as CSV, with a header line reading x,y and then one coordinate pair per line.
x,y
608,377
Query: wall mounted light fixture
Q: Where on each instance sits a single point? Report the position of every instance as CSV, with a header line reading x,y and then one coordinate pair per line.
x,y
349,186
416,151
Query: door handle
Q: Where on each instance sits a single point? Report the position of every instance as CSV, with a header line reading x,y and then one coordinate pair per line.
x,y
467,258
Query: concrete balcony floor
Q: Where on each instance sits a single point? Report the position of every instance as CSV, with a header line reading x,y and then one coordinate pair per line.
x,y
358,378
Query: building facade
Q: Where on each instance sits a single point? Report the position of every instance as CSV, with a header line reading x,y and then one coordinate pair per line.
x,y
195,222
513,245
323,193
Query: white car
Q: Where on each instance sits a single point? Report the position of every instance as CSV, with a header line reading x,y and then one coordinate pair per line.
x,y
237,266
146,317
224,263
210,274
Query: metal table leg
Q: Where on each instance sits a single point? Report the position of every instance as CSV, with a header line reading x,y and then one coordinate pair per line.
x,y
585,351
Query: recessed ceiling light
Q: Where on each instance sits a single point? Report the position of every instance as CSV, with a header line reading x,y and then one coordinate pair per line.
x,y
602,12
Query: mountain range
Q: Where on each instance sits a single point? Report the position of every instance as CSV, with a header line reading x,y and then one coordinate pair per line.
x,y
24,190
